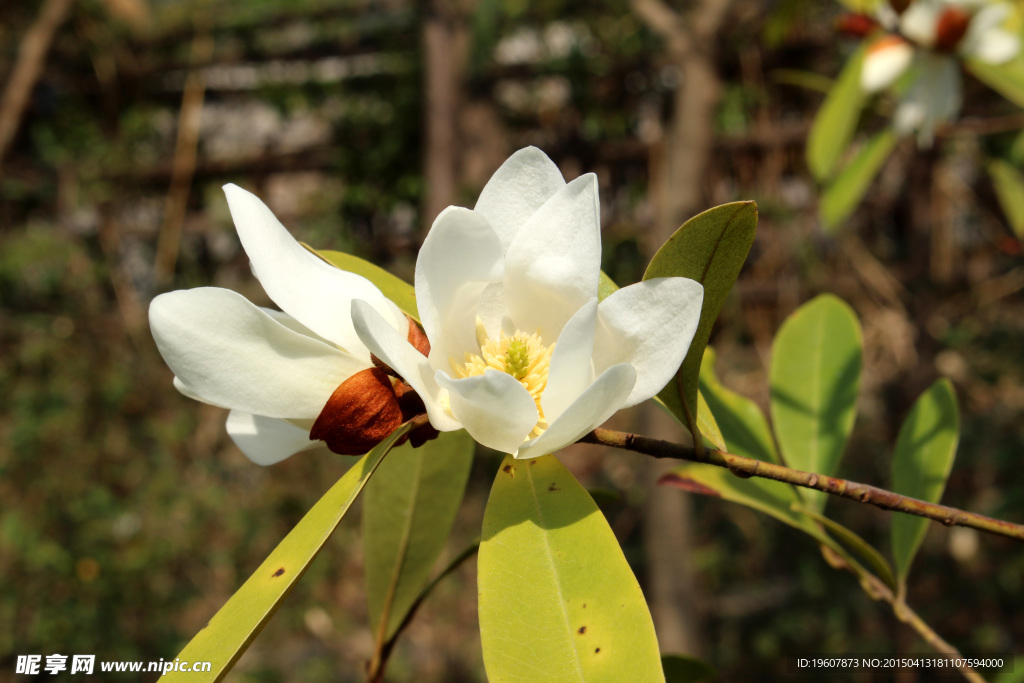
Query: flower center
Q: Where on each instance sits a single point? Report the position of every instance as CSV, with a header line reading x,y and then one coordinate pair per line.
x,y
522,355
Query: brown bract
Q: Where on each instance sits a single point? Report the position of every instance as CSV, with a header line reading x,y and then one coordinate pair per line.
x,y
371,404
858,25
951,28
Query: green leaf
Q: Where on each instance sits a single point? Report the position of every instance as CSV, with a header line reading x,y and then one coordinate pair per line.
x,y
557,600
921,462
836,121
861,6
709,248
857,545
1006,79
393,287
843,195
814,377
408,511
1009,185
240,620
685,669
605,286
743,425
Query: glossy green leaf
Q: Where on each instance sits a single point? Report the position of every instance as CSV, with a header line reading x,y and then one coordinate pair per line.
x,y
685,669
709,248
393,287
408,511
848,188
773,498
557,600
836,121
1009,186
855,544
1006,79
921,462
814,378
743,426
223,640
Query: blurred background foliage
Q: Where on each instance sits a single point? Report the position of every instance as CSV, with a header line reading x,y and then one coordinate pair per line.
x,y
128,517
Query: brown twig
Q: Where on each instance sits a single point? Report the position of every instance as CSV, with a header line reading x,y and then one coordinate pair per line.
x,y
26,71
862,493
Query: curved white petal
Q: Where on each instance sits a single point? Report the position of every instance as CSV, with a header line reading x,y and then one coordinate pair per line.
x,y
987,18
885,61
552,265
310,290
595,405
650,326
460,255
920,21
572,367
516,190
387,344
995,47
228,352
267,440
494,408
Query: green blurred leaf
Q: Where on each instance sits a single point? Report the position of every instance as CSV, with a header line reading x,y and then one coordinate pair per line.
x,y
1006,79
709,248
855,544
814,377
861,6
241,619
558,602
921,462
836,121
847,190
743,425
408,511
1009,186
686,669
393,287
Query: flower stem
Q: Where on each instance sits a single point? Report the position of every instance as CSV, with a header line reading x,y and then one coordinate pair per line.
x,y
751,467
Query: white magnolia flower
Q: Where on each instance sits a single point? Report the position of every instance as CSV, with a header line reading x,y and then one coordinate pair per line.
x,y
926,37
522,355
283,375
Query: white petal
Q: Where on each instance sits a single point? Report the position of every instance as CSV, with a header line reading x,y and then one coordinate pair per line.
x,y
920,22
516,190
552,265
494,408
572,366
987,19
266,440
886,60
395,350
599,402
310,290
228,352
650,326
460,255
996,47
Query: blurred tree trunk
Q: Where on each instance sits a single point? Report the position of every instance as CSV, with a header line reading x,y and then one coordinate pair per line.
x,y
445,49
679,165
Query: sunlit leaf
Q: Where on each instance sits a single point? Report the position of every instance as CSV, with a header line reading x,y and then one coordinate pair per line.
x,y
1006,79
855,544
921,462
848,188
743,425
1009,185
685,669
836,121
408,511
814,378
557,600
861,6
709,248
393,287
223,640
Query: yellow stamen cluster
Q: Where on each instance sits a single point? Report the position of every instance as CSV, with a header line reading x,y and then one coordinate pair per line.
x,y
524,356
